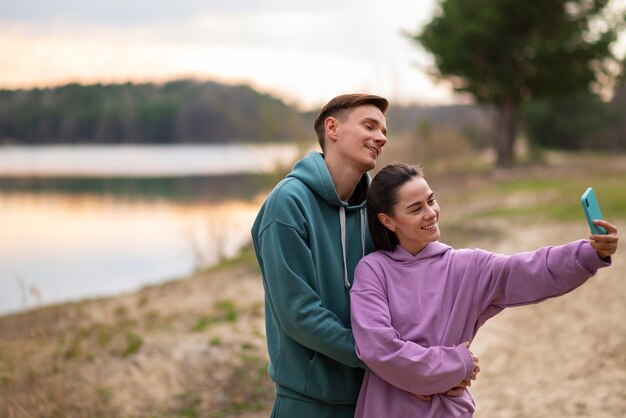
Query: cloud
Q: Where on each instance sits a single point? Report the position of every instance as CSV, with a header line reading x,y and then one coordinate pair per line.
x,y
302,52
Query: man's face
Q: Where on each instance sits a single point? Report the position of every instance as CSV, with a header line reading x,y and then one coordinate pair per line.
x,y
361,135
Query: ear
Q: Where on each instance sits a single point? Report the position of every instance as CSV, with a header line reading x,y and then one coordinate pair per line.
x,y
386,221
331,125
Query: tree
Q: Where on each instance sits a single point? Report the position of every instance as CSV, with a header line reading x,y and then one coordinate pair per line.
x,y
574,123
503,52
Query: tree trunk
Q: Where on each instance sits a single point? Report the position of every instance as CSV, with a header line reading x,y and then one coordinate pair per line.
x,y
507,119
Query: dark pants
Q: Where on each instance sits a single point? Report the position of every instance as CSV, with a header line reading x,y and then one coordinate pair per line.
x,y
294,408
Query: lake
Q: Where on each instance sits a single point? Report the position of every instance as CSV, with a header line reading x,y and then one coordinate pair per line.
x,y
88,221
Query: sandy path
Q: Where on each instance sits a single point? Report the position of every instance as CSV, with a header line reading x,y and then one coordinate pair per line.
x,y
564,357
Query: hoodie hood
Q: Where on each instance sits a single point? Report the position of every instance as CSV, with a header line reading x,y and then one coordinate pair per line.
x,y
313,172
401,255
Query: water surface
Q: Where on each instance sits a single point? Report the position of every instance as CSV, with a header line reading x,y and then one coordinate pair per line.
x,y
71,234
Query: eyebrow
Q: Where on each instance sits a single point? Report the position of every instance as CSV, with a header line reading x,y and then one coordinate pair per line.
x,y
377,123
430,196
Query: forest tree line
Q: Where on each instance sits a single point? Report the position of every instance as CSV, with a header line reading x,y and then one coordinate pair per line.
x,y
190,111
182,111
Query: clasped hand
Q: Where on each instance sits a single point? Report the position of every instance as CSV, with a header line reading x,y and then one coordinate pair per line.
x,y
464,384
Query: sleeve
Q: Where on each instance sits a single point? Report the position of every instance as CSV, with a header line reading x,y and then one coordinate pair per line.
x,y
404,364
531,277
289,268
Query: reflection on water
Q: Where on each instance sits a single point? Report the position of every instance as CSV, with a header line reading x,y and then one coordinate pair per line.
x,y
86,221
143,160
181,189
56,247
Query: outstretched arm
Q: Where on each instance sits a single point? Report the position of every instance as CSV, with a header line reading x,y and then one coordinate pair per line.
x,y
530,277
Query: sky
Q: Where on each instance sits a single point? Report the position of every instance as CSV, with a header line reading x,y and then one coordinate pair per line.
x,y
304,52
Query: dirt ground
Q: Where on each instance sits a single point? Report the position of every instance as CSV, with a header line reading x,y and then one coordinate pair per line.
x,y
565,357
195,347
562,358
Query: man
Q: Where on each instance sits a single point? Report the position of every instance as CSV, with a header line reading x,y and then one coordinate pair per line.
x,y
308,237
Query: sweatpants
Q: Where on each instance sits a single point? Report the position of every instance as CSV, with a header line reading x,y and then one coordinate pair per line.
x,y
289,408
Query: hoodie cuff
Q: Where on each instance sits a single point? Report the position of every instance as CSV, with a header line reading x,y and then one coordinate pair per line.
x,y
590,260
466,356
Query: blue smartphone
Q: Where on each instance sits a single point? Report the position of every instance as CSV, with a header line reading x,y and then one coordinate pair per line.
x,y
592,211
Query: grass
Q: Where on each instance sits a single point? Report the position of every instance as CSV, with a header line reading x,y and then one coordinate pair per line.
x,y
558,200
226,312
51,359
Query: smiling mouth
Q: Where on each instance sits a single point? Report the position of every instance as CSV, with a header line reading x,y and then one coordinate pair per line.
x,y
431,227
374,150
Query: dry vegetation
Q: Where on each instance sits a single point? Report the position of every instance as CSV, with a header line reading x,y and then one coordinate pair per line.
x,y
195,347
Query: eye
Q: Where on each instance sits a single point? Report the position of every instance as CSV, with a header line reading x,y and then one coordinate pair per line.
x,y
432,201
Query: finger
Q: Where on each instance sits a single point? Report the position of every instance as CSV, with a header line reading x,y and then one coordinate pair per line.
x,y
599,245
604,239
610,228
426,398
455,392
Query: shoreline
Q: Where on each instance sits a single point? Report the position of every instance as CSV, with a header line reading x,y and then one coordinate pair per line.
x,y
195,346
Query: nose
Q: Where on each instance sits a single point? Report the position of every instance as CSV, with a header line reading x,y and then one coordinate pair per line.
x,y
430,212
380,139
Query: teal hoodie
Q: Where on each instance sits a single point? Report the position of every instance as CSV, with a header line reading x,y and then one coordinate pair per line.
x,y
308,242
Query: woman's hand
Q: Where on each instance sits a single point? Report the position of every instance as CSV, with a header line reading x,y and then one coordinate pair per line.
x,y
605,245
463,385
460,388
476,368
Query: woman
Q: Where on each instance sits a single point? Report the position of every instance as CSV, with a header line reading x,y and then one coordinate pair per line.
x,y
417,302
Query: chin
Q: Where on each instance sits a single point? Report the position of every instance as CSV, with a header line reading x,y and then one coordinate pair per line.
x,y
434,237
369,165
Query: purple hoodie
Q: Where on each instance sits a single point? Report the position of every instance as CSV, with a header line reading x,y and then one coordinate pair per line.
x,y
411,314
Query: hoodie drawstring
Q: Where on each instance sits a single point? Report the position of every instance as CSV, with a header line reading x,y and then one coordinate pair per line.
x,y
342,225
362,232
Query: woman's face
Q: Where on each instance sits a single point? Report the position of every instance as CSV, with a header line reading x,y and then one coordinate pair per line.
x,y
416,216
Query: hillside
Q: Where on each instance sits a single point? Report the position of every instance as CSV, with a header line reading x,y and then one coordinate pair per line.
x,y
181,111
194,347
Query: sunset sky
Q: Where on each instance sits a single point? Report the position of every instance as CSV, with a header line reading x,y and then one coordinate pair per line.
x,y
303,52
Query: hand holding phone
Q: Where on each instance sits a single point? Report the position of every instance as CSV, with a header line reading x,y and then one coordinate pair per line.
x,y
592,211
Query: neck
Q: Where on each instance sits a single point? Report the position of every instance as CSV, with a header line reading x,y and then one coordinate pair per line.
x,y
345,176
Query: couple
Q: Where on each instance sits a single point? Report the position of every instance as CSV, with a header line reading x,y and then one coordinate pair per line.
x,y
367,313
